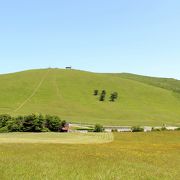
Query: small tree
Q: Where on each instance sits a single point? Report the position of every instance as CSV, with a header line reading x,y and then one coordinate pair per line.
x,y
39,124
102,96
98,128
19,121
29,123
104,92
53,123
96,92
116,95
137,129
113,96
4,118
13,125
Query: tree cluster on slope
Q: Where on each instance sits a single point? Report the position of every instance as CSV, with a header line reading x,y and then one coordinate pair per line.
x,y
102,95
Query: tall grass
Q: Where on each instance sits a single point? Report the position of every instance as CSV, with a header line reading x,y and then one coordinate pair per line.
x,y
131,156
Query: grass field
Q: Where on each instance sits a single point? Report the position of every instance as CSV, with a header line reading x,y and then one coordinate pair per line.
x,y
57,138
150,156
69,94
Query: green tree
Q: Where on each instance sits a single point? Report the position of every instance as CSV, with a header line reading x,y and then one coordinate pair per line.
x,y
137,129
96,92
39,123
4,118
53,123
19,120
102,96
98,128
13,125
116,95
113,96
29,123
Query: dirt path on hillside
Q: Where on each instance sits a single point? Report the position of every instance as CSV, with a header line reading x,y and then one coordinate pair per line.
x,y
34,92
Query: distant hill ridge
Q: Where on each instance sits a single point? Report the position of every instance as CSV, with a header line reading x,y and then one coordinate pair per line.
x,y
69,93
165,83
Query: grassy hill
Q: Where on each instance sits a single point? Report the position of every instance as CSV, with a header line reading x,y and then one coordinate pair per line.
x,y
69,94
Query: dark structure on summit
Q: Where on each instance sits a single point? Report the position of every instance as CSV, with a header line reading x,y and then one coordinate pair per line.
x,y
68,67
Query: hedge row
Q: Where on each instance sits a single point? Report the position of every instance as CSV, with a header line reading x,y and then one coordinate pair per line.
x,y
31,123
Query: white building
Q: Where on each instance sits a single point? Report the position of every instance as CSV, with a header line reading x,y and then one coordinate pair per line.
x,y
117,128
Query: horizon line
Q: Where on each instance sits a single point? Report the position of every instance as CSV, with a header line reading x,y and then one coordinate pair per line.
x,y
44,68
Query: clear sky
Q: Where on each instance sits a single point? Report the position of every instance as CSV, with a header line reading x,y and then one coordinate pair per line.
x,y
137,36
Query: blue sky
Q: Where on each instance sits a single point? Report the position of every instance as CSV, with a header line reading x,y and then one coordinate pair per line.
x,y
141,36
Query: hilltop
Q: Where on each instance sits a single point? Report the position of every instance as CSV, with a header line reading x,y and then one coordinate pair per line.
x,y
69,94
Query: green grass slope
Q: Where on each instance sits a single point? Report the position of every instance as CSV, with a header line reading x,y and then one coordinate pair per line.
x,y
165,83
69,94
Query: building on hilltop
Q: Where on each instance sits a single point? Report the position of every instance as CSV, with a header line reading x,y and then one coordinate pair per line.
x,y
68,67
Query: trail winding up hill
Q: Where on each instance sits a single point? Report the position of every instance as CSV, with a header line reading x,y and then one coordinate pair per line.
x,y
69,94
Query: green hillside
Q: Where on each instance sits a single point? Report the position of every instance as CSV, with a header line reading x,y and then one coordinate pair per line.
x,y
69,94
165,83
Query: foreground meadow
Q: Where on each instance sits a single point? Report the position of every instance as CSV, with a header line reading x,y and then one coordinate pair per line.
x,y
57,138
153,155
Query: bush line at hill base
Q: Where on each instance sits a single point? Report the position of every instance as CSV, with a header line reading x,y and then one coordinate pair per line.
x,y
48,123
31,123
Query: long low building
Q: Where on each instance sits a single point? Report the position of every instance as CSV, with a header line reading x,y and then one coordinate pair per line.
x,y
117,128
129,128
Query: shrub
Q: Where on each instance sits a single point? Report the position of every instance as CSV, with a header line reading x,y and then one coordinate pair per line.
x,y
39,123
45,130
137,129
19,120
164,129
113,96
53,123
85,129
102,96
4,129
114,130
31,123
96,92
4,118
13,126
98,128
